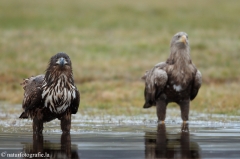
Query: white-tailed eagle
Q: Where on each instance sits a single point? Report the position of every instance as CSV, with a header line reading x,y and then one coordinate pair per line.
x,y
53,95
176,80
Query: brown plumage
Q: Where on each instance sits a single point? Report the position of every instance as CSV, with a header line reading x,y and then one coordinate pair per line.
x,y
53,95
176,80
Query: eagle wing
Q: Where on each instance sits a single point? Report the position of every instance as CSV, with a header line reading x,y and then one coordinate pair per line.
x,y
75,103
196,85
32,94
155,81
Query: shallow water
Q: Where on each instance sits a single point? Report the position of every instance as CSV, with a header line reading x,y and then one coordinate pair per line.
x,y
102,137
130,141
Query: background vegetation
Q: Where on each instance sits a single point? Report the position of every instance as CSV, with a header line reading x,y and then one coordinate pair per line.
x,y
112,43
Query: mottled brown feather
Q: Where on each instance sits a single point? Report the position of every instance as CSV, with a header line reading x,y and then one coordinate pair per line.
x,y
32,95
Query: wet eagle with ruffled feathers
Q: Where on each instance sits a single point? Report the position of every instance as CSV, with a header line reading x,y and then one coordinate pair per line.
x,y
176,80
53,95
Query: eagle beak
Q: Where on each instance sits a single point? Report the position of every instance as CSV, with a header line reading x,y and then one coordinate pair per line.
x,y
61,61
183,39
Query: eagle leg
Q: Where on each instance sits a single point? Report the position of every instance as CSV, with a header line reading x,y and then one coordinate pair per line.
x,y
161,106
66,122
37,117
184,106
37,125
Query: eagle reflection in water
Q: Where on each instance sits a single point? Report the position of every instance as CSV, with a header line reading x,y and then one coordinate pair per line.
x,y
162,145
62,150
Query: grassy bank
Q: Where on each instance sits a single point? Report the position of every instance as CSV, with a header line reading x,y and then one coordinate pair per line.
x,y
113,43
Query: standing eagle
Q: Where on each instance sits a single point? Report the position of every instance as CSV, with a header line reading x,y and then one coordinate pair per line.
x,y
53,95
176,80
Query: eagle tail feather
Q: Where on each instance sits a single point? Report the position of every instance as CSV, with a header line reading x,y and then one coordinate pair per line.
x,y
24,115
147,105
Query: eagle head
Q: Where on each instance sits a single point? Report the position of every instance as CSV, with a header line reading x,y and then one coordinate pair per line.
x,y
59,64
60,61
180,40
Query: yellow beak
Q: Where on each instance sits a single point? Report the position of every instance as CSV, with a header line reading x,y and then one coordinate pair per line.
x,y
183,39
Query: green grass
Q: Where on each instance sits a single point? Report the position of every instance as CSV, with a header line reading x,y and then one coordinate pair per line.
x,y
112,44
